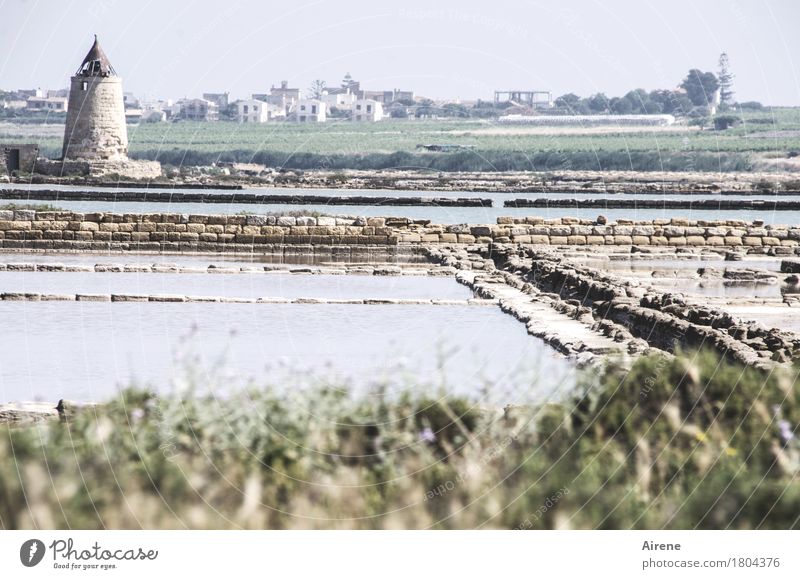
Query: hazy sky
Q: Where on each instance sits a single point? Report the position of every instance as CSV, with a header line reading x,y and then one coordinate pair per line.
x,y
440,49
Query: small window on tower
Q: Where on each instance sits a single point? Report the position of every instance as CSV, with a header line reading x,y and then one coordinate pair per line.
x,y
84,85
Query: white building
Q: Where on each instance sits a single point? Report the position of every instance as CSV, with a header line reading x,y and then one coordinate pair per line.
x,y
153,116
46,104
256,111
342,100
367,110
310,111
196,110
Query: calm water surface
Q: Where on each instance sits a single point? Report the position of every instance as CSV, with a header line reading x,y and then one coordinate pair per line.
x,y
237,285
87,351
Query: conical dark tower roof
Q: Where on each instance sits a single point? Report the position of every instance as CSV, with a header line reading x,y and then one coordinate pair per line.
x,y
96,63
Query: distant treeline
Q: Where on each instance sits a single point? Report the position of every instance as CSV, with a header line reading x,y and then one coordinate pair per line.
x,y
484,161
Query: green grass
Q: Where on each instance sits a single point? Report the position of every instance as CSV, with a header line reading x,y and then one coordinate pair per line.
x,y
342,144
682,443
29,206
391,136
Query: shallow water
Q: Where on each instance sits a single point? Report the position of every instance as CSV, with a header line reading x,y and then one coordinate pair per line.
x,y
87,351
689,264
246,285
718,288
446,215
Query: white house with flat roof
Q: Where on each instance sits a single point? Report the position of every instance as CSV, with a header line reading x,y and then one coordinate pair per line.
x,y
310,111
367,110
342,100
256,111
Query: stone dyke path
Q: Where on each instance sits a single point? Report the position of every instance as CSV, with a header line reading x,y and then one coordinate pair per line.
x,y
235,197
381,270
574,336
178,298
568,181
635,316
611,203
25,413
663,319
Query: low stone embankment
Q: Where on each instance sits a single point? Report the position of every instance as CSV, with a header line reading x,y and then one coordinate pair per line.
x,y
569,329
176,232
665,320
345,269
117,195
24,413
751,237
179,298
617,203
635,316
585,181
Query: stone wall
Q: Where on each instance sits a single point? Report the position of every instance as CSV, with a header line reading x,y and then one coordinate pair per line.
x,y
183,232
124,167
662,319
24,155
66,230
753,237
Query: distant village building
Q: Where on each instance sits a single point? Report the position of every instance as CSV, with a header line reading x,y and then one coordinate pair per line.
x,y
386,96
350,85
15,103
158,110
24,93
130,101
285,93
47,103
221,99
197,110
367,110
283,96
257,111
153,116
133,116
534,99
310,111
341,99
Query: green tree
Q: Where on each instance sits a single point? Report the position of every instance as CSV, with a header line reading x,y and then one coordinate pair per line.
x,y
725,82
700,86
316,89
598,103
455,110
568,100
620,106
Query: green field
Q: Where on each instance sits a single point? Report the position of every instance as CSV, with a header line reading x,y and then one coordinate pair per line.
x,y
393,144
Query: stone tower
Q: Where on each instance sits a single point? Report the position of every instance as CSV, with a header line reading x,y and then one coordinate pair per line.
x,y
95,129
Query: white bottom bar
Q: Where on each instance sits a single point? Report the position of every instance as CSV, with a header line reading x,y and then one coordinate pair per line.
x,y
402,554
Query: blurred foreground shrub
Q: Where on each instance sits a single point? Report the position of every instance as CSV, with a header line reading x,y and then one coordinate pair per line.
x,y
676,443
